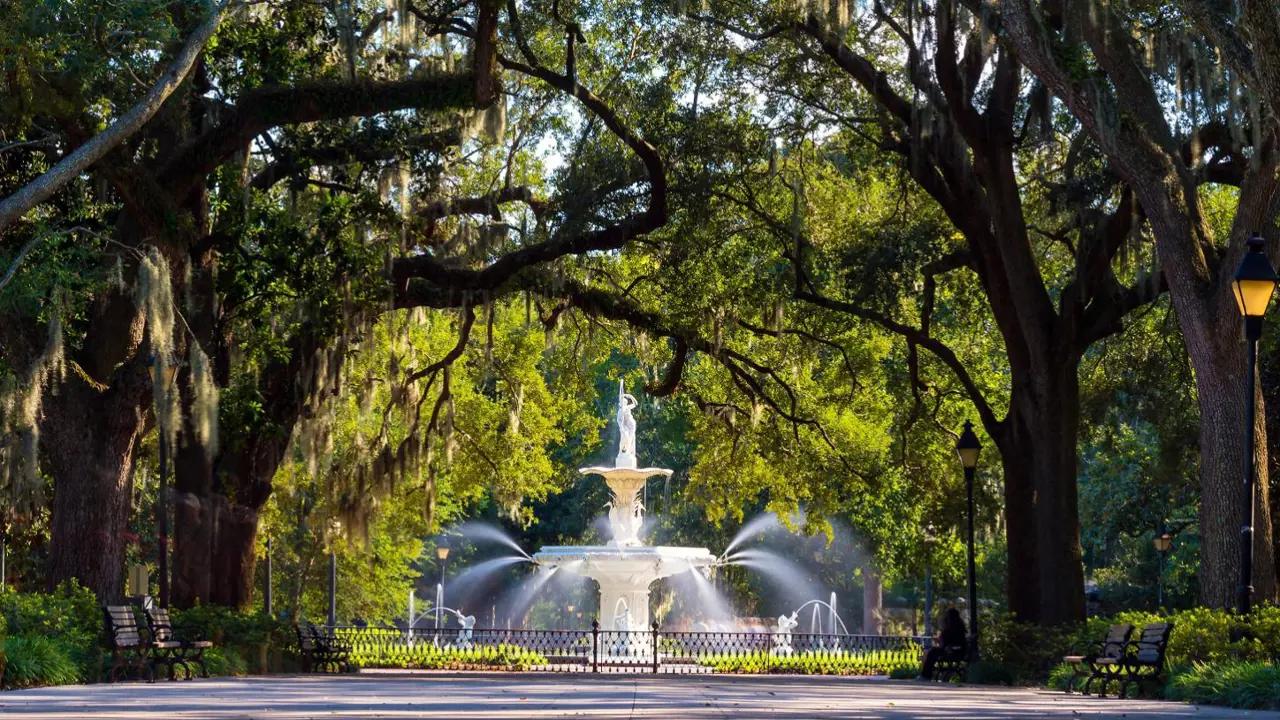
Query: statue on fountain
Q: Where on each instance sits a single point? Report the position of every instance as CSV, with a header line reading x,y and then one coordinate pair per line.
x,y
626,428
782,635
464,637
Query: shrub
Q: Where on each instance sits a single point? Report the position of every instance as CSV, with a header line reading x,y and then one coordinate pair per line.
x,y
1241,684
248,637
839,662
905,672
70,613
427,656
34,660
988,672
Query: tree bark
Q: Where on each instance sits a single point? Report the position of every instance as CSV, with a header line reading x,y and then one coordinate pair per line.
x,y
90,438
872,600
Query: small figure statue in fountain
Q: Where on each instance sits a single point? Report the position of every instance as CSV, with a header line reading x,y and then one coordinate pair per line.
x,y
626,429
782,636
464,637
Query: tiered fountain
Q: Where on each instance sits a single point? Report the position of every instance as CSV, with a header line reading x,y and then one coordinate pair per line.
x,y
625,568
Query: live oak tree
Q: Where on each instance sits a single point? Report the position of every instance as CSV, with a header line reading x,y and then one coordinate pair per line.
x,y
1040,225
1181,100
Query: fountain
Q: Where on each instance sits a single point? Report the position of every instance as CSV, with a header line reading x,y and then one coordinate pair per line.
x,y
625,567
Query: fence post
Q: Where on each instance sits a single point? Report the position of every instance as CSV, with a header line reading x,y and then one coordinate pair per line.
x,y
595,645
655,648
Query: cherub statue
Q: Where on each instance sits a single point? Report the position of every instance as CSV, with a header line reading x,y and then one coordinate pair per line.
x,y
782,635
464,637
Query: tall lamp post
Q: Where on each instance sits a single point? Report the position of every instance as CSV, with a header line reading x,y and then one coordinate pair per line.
x,y
442,552
968,448
1255,281
335,527
930,538
163,375
1162,543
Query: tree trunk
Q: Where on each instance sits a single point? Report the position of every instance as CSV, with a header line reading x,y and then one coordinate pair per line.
x,y
89,439
1045,581
234,555
872,600
1221,389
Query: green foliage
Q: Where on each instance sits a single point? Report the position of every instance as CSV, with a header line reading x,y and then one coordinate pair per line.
x,y
905,672
70,613
35,660
1239,684
872,662
987,672
426,656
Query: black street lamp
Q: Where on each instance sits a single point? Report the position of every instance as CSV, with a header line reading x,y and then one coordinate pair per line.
x,y
930,537
968,448
442,552
1163,543
1255,281
163,374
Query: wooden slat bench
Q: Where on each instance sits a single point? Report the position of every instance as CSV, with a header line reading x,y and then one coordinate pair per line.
x,y
320,649
1144,658
191,651
1099,654
954,663
130,648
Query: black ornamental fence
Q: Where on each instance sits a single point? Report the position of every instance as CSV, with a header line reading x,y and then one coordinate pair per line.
x,y
610,651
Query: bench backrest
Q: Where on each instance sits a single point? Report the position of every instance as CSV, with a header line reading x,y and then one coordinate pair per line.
x,y
1117,638
159,623
1149,648
122,627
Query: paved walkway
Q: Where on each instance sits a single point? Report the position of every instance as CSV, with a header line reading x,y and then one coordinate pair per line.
x,y
495,696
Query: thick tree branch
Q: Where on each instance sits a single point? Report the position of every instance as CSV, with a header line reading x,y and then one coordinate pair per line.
x,y
40,189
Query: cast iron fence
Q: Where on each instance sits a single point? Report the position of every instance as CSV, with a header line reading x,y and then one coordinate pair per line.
x,y
654,650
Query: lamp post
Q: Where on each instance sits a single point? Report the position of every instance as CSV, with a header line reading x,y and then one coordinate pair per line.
x,y
968,448
1254,282
335,526
442,552
1162,543
570,609
267,597
929,539
163,375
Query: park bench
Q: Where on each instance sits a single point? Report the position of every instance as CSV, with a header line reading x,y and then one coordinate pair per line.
x,y
131,649
320,649
192,647
1109,650
1143,659
954,663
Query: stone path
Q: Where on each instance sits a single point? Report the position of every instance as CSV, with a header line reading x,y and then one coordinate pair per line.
x,y
500,696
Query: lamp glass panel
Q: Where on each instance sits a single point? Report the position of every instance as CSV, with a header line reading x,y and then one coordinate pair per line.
x,y
968,456
442,552
1253,296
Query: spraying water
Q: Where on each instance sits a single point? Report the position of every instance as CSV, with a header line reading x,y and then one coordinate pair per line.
x,y
475,530
755,526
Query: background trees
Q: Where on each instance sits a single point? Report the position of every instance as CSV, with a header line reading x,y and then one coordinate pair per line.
x,y
394,251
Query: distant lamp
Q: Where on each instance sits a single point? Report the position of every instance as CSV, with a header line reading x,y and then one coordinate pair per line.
x,y
570,609
968,447
1162,542
442,547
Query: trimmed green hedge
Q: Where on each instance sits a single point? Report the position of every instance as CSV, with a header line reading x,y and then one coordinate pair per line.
x,y
426,656
873,662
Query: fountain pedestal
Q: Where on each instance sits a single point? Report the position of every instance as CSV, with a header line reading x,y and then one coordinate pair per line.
x,y
625,568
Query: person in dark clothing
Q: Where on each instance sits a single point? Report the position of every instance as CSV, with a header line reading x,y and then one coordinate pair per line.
x,y
953,634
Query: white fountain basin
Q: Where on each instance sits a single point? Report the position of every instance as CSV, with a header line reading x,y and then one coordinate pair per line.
x,y
624,575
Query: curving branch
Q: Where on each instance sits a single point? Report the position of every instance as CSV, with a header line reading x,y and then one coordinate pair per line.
x,y
79,160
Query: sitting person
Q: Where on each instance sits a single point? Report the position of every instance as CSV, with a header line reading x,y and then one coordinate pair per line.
x,y
952,635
